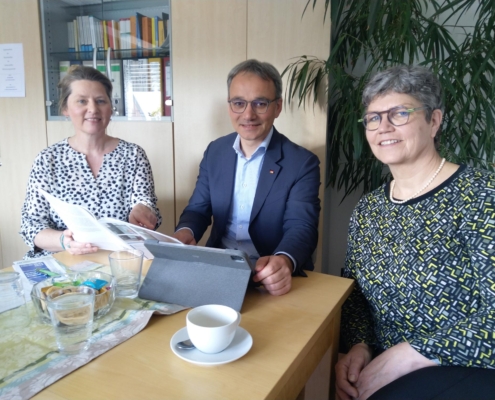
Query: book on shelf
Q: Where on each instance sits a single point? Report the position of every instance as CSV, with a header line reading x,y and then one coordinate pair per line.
x,y
166,26
146,36
88,44
77,45
125,36
110,34
105,233
139,34
153,34
105,34
116,35
70,36
161,32
80,35
96,33
133,26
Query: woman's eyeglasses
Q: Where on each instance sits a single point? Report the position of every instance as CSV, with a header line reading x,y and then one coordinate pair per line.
x,y
397,116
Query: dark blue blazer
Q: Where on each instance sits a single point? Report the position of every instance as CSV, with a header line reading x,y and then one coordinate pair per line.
x,y
284,217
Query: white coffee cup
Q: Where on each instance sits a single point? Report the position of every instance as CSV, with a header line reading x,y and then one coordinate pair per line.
x,y
212,327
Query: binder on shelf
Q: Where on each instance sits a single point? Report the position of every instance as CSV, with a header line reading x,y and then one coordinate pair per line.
x,y
116,78
156,83
167,86
63,67
117,94
143,88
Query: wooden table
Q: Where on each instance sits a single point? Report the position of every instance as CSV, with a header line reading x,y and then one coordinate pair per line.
x,y
291,333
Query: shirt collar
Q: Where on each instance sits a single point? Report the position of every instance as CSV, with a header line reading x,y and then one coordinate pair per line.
x,y
263,145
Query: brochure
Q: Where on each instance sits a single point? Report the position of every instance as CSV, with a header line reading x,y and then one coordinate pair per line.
x,y
30,273
105,233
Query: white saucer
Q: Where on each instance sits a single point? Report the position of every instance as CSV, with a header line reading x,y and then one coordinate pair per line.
x,y
239,347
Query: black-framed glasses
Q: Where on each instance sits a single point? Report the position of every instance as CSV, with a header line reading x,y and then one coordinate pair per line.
x,y
397,116
258,106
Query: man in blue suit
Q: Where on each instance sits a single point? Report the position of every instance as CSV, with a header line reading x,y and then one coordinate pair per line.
x,y
260,188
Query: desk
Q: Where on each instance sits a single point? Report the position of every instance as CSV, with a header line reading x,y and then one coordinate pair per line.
x,y
291,333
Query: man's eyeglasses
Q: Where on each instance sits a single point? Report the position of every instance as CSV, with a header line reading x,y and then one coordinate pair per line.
x,y
258,106
397,116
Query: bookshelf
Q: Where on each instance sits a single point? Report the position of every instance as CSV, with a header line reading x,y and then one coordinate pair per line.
x,y
126,40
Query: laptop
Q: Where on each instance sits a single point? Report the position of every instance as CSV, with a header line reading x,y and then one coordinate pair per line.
x,y
192,276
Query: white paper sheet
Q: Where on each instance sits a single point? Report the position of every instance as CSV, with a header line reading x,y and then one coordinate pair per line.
x,y
12,76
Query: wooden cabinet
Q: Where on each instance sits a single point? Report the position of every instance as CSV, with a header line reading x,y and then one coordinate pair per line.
x,y
209,38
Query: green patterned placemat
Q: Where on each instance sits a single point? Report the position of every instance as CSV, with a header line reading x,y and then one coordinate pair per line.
x,y
29,360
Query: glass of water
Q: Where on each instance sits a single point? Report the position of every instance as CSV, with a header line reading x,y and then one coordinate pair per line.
x,y
71,312
13,309
126,267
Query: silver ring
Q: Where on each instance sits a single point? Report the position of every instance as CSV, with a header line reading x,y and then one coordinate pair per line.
x,y
68,245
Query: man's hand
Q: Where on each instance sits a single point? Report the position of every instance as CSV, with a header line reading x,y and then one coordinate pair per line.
x,y
274,273
185,236
143,216
348,370
393,363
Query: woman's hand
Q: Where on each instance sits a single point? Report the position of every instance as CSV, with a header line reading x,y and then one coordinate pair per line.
x,y
76,248
143,216
393,363
348,370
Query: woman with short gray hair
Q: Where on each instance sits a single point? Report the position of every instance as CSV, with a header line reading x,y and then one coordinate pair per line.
x,y
421,249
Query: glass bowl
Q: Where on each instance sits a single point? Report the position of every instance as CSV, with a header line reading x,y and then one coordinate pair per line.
x,y
104,298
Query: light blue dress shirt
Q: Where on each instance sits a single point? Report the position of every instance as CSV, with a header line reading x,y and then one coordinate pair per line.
x,y
246,181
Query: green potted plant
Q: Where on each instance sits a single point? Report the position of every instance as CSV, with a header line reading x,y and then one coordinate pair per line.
x,y
368,36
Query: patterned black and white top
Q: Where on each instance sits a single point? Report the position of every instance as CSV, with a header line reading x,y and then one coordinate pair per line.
x,y
124,180
425,271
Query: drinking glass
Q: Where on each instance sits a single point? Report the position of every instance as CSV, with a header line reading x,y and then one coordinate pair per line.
x,y
13,309
126,267
71,312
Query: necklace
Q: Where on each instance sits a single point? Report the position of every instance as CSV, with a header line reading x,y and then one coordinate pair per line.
x,y
392,184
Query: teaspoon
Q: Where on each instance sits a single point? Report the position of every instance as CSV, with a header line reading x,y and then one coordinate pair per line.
x,y
185,345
